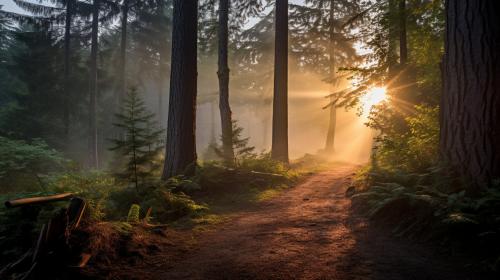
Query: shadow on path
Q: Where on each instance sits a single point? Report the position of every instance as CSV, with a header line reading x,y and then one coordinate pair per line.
x,y
308,232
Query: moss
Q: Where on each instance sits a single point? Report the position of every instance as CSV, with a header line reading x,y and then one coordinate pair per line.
x,y
268,194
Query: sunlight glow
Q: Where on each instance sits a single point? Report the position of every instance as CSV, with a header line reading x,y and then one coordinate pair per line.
x,y
373,96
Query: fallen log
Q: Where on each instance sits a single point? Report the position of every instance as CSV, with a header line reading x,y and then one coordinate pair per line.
x,y
37,200
265,174
52,248
252,172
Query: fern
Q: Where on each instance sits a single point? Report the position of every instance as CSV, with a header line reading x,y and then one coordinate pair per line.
x,y
133,214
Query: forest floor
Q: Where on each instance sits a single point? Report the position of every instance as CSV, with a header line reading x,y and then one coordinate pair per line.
x,y
307,232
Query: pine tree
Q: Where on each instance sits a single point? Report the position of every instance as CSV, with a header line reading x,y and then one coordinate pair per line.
x,y
151,44
142,139
239,145
218,32
322,45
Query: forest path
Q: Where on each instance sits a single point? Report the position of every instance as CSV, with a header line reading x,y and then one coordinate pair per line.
x,y
308,232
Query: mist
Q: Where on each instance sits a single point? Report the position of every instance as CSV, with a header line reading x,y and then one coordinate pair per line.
x,y
308,122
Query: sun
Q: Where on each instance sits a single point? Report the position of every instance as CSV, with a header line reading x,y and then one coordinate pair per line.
x,y
373,96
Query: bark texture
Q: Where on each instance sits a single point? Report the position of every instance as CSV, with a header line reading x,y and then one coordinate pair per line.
x,y
330,136
67,66
161,87
403,46
162,63
280,102
470,111
122,79
93,154
181,145
392,57
223,74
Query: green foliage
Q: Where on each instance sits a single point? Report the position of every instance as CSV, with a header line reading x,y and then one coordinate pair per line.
x,y
166,205
240,144
169,206
134,214
264,163
182,183
241,149
258,171
434,206
31,89
22,164
423,138
108,200
409,121
94,187
141,142
412,143
310,32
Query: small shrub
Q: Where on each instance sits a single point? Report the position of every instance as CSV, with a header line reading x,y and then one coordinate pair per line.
x,y
409,144
134,214
264,163
167,206
94,187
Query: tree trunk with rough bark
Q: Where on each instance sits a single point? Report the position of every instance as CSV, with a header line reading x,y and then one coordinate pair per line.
x,y
223,74
470,111
181,143
162,66
403,46
330,136
93,154
280,102
67,67
122,79
392,57
161,87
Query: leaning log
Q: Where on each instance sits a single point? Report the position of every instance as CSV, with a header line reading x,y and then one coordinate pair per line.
x,y
37,200
268,175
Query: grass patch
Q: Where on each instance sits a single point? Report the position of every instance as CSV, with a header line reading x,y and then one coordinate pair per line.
x,y
117,213
264,195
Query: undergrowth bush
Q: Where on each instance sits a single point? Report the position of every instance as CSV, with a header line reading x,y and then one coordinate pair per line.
x,y
264,163
434,206
166,204
112,202
256,171
24,165
409,144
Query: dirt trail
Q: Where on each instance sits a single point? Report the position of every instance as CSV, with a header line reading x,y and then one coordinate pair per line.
x,y
308,232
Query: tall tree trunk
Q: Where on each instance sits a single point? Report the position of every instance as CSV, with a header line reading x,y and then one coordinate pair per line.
x,y
403,48
213,137
67,70
392,40
93,154
162,64
122,79
470,128
280,102
223,74
181,143
330,136
160,94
